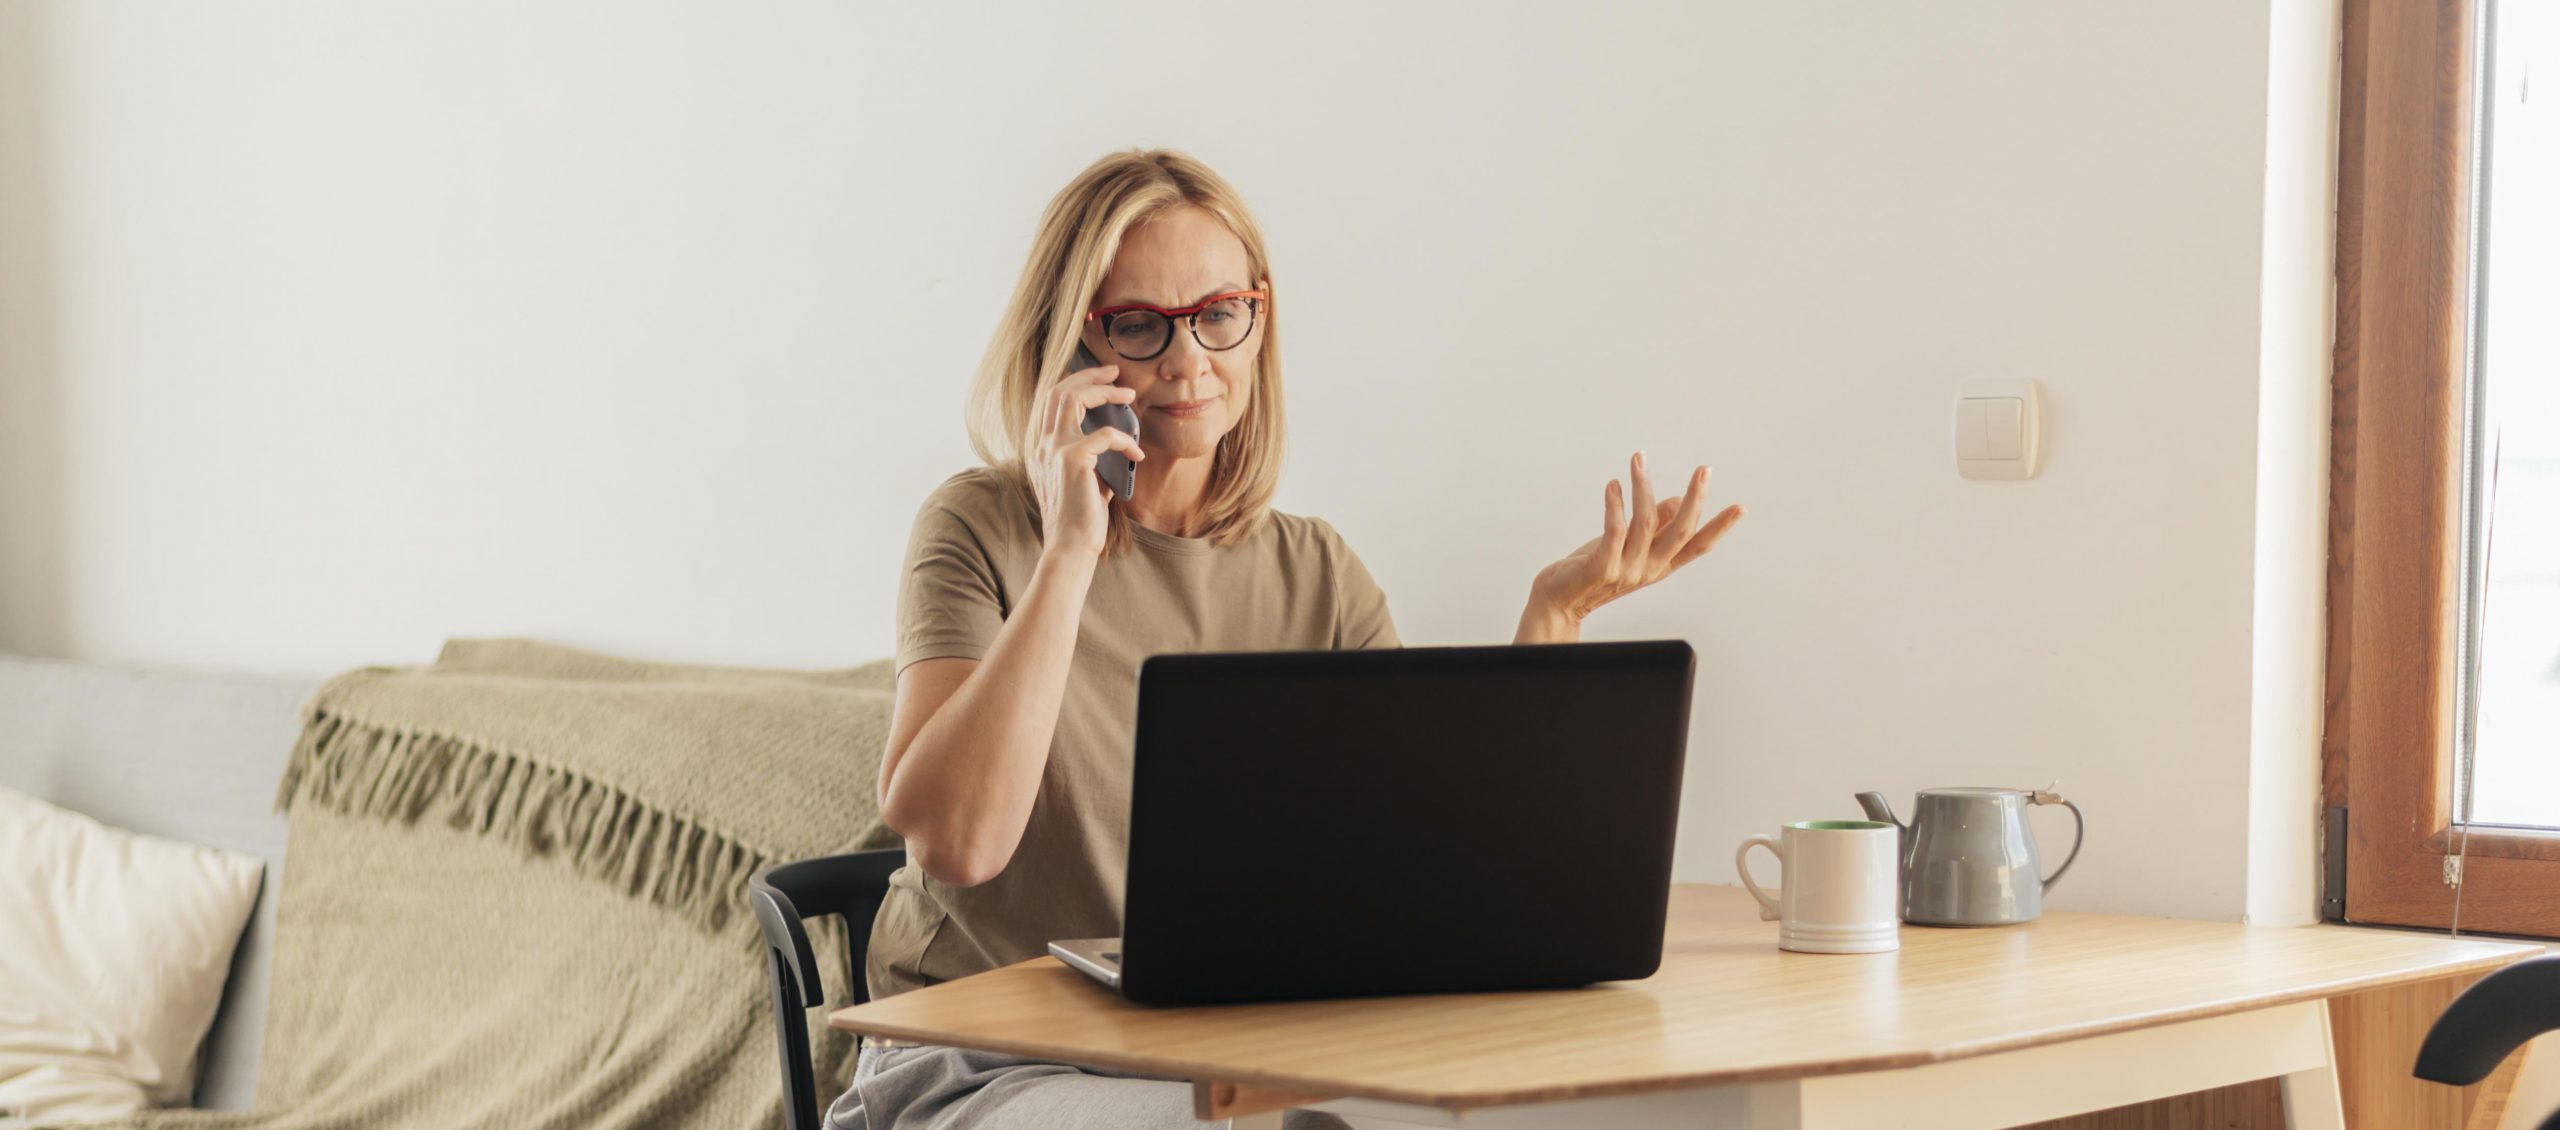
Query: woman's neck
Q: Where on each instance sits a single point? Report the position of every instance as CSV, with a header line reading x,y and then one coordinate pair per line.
x,y
1170,493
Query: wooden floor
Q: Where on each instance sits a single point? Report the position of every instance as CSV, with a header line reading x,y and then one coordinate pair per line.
x,y
2378,1034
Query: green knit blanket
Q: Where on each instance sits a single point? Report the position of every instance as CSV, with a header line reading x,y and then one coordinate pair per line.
x,y
513,894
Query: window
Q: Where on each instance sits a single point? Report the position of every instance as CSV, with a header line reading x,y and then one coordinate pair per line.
x,y
2443,738
2511,775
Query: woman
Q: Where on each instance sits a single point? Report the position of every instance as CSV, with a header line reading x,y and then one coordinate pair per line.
x,y
1032,593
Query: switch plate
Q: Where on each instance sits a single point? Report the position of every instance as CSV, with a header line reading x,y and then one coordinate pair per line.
x,y
1973,429
2001,421
1999,428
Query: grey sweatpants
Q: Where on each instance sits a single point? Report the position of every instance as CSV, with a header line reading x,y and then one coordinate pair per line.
x,y
937,1088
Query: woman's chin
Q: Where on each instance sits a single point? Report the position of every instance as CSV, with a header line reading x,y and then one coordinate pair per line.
x,y
1185,452
1184,439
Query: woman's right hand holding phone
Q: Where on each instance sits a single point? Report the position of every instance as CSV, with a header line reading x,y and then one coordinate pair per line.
x,y
1074,503
970,738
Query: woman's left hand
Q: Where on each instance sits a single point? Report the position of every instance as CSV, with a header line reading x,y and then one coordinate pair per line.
x,y
1637,546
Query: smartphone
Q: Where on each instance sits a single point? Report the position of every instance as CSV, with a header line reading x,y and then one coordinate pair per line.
x,y
1116,470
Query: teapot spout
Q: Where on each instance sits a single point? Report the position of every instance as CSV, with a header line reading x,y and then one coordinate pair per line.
x,y
1877,809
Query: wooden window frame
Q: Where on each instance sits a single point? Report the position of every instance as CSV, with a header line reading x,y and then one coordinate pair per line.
x,y
2405,121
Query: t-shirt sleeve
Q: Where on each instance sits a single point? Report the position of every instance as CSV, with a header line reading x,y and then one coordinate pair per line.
x,y
949,602
1361,605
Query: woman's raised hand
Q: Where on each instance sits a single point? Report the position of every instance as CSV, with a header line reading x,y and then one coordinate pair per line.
x,y
1074,503
1638,545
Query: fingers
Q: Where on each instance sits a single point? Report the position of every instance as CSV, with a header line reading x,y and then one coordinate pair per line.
x,y
1645,559
1613,531
1680,522
1080,460
1641,522
1080,378
1090,446
1064,404
1707,537
1073,403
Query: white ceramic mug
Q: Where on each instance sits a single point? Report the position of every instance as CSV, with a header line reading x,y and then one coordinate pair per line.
x,y
1837,881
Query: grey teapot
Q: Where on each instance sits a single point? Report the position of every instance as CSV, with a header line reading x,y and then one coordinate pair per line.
x,y
1968,858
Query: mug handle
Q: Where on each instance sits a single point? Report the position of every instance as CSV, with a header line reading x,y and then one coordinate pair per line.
x,y
1742,863
2079,831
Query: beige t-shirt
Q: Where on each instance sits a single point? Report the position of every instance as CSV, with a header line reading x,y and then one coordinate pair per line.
x,y
1292,585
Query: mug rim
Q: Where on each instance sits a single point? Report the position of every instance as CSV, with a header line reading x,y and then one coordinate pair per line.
x,y
1836,825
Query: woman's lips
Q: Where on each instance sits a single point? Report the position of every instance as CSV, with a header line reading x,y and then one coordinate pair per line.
x,y
1184,410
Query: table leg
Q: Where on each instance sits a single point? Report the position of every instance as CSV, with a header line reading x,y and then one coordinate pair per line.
x,y
1267,1120
2311,1095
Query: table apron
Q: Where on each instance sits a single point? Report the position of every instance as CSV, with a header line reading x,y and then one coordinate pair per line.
x,y
1982,1092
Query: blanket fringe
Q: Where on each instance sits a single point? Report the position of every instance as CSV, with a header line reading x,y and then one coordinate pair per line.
x,y
400,776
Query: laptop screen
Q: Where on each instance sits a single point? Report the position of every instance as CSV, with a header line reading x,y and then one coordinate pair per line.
x,y
1408,820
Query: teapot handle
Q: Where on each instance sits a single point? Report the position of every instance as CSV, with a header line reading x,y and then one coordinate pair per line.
x,y
2079,831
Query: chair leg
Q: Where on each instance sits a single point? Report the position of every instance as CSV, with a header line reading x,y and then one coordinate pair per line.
x,y
791,1038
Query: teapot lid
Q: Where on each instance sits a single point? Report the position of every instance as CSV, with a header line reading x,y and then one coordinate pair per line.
x,y
1976,790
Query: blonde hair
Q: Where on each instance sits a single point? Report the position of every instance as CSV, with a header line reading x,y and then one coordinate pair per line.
x,y
1035,342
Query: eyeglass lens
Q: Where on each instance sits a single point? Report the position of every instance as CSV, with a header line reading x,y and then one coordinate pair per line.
x,y
1141,334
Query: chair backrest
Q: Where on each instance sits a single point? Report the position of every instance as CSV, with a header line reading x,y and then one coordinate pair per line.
x,y
784,897
2490,1020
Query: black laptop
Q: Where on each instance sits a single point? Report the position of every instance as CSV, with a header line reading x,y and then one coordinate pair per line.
x,y
1415,820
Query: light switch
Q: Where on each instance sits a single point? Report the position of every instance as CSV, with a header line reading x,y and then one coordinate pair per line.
x,y
1973,434
1999,428
2001,419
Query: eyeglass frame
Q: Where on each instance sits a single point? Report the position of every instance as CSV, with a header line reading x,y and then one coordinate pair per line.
x,y
1189,313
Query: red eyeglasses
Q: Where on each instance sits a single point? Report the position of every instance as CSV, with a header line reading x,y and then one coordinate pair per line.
x,y
1138,331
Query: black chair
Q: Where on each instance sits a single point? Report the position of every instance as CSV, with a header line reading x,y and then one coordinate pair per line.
x,y
2491,1019
785,894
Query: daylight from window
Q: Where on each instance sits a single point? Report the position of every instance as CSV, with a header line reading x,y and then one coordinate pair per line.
x,y
2515,767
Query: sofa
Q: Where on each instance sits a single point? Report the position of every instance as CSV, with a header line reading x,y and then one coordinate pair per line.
x,y
517,895
186,755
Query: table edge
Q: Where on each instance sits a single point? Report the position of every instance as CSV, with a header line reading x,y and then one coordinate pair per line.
x,y
1463,1100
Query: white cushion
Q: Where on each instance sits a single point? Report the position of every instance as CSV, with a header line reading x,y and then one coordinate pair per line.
x,y
113,950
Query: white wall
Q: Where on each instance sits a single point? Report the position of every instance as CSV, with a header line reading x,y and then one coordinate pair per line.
x,y
328,331
2297,296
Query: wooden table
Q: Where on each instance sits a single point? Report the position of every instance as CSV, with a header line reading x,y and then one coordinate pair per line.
x,y
1960,1028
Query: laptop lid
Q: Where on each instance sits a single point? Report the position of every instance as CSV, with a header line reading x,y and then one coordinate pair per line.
x,y
1414,820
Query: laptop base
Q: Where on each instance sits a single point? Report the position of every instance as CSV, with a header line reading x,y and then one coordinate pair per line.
x,y
1098,958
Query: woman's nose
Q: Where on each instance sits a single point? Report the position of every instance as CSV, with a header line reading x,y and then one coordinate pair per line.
x,y
1183,360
